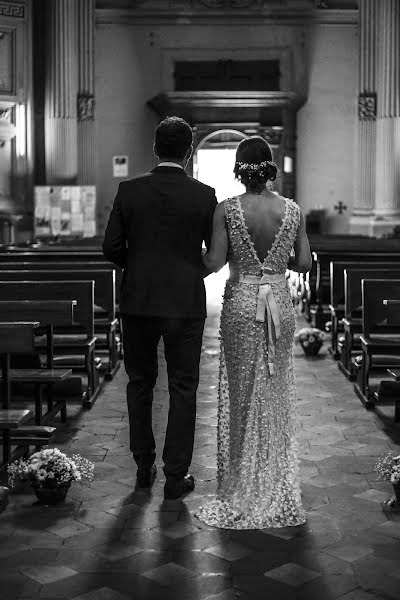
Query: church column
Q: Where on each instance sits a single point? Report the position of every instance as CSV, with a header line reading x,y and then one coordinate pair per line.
x,y
61,93
364,200
387,198
86,100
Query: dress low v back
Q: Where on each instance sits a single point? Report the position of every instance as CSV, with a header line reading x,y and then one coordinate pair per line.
x,y
258,482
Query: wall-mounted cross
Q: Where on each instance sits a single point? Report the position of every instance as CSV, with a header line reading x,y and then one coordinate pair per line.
x,y
340,207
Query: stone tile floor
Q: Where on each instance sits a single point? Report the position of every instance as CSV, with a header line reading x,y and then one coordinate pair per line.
x,y
114,542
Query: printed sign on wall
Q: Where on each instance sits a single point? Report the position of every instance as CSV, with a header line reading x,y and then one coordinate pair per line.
x,y
120,166
65,211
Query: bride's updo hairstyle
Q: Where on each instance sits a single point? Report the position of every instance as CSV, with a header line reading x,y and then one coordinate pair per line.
x,y
254,166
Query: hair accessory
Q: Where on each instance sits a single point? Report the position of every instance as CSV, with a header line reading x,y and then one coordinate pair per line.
x,y
254,167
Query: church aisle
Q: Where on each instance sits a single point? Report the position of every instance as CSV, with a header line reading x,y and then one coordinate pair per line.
x,y
112,542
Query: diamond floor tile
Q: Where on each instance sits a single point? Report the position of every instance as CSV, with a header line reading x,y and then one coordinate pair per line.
x,y
349,552
48,574
229,551
170,575
292,574
373,496
102,594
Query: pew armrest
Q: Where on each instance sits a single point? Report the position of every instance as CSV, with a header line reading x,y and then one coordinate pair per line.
x,y
381,344
394,373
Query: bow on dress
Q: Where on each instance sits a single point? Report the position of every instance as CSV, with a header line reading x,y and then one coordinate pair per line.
x,y
266,305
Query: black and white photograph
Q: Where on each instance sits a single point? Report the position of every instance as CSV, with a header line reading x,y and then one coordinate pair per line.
x,y
200,299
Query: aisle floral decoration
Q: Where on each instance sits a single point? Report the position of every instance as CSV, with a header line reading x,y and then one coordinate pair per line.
x,y
51,473
310,339
388,469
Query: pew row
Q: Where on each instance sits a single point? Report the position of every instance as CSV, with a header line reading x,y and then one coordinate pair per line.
x,y
349,249
73,347
380,342
17,338
105,322
337,291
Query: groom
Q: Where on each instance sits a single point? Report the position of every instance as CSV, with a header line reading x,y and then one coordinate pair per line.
x,y
155,233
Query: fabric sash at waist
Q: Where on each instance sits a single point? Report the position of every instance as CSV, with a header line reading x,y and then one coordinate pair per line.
x,y
266,305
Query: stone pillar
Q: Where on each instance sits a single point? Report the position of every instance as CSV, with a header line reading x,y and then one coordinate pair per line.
x,y
364,200
86,100
387,191
61,93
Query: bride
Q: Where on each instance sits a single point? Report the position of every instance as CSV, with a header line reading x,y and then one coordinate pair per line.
x,y
258,476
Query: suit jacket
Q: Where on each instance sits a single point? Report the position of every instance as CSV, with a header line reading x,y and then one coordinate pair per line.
x,y
155,233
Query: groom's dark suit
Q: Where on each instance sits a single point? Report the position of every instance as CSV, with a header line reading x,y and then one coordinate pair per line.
x,y
155,233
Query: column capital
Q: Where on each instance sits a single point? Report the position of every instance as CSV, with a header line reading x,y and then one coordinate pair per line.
x,y
367,106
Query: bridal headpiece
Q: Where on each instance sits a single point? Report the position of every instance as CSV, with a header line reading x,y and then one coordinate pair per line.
x,y
254,167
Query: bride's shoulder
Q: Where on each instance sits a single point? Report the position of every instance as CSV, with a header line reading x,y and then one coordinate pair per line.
x,y
290,203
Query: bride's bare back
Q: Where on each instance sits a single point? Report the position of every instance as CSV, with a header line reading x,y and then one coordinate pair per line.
x,y
263,214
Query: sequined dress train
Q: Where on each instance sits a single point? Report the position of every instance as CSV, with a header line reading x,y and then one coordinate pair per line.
x,y
258,482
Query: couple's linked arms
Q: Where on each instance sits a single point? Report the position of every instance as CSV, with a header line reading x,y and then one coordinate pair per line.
x,y
215,258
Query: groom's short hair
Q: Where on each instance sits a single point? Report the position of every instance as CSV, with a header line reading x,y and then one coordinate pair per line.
x,y
173,138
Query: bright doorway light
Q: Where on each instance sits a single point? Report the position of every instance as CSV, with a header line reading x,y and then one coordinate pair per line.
x,y
21,130
215,168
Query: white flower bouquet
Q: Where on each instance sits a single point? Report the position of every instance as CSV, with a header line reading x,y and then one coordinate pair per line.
x,y
388,468
51,468
309,335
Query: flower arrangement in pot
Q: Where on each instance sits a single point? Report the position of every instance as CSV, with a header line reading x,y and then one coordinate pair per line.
x,y
310,339
51,473
388,469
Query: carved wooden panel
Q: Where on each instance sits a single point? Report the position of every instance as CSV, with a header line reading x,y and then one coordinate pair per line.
x,y
7,84
227,75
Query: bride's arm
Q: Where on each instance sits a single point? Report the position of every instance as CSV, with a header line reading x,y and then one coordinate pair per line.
x,y
215,258
301,261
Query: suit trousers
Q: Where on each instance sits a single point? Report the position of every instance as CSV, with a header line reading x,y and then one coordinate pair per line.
x,y
182,347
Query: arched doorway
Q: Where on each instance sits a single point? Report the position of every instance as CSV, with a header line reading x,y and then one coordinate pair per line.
x,y
213,162
214,159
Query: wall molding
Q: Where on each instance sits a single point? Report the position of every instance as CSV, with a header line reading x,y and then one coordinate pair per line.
x,y
14,10
184,16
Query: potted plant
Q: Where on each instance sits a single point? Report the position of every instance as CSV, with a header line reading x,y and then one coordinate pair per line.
x,y
388,469
51,473
310,339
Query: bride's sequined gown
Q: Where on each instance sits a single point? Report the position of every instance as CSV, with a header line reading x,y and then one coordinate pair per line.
x,y
258,475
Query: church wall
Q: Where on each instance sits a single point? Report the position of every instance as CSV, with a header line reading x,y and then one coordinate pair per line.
x,y
134,62
326,125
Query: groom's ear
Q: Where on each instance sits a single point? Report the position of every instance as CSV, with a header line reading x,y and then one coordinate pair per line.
x,y
189,153
155,151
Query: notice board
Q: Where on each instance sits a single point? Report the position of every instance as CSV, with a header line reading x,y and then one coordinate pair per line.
x,y
64,211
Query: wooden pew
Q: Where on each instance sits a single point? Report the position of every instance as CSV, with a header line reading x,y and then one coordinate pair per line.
x,y
392,311
341,249
66,256
105,326
17,338
81,256
352,320
10,421
48,313
391,389
337,291
75,350
380,343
